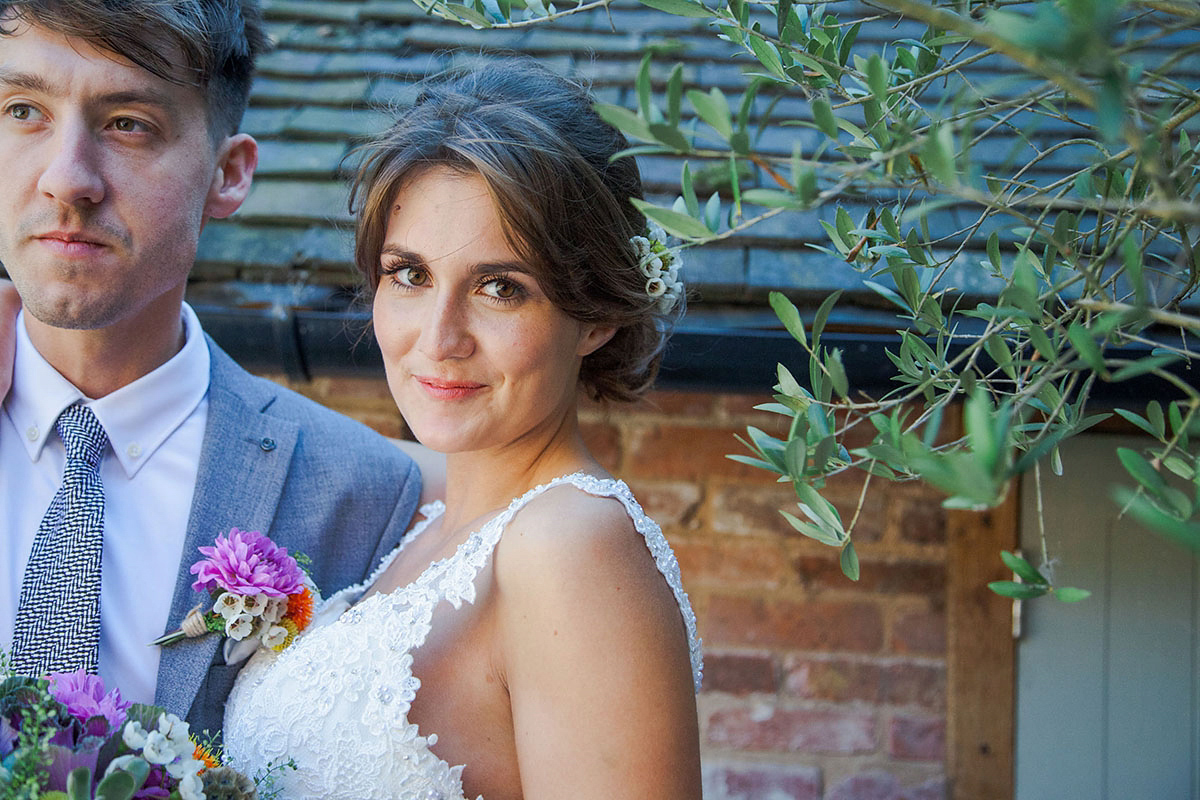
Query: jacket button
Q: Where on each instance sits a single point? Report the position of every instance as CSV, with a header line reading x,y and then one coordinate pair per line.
x,y
267,444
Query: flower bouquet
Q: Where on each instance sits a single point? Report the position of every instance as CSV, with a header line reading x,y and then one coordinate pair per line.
x,y
65,738
258,595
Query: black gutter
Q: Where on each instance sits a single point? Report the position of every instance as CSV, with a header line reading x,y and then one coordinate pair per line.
x,y
304,344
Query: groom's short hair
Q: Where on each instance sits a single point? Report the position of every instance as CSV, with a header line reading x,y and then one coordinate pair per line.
x,y
209,44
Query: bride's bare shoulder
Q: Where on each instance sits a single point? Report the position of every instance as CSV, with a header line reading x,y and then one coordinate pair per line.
x,y
570,549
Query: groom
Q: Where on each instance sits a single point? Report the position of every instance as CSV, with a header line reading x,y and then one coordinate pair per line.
x,y
118,139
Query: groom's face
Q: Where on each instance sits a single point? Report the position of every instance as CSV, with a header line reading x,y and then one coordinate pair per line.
x,y
108,172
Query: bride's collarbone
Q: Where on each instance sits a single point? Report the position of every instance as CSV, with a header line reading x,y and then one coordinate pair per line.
x,y
437,542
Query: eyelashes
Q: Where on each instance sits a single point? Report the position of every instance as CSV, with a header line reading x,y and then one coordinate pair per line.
x,y
499,287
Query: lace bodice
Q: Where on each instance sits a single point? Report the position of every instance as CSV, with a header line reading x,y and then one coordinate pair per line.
x,y
336,701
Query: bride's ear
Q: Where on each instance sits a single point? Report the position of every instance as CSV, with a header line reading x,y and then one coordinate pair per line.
x,y
593,337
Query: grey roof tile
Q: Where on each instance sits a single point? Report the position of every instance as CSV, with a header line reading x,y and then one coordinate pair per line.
x,y
311,10
338,64
336,123
338,91
299,159
261,121
284,202
292,62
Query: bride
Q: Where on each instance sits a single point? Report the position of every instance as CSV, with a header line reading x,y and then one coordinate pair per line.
x,y
530,638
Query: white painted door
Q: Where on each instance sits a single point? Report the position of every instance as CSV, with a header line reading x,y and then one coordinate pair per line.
x,y
1108,690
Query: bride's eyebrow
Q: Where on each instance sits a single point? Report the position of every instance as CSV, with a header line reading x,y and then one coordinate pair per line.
x,y
492,267
401,254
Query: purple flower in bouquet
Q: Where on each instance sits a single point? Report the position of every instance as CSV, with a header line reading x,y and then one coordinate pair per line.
x,y
248,563
84,697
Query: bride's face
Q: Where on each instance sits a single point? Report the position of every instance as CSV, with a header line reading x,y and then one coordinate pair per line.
x,y
477,356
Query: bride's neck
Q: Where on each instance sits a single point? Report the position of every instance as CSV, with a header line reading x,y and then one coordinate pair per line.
x,y
481,482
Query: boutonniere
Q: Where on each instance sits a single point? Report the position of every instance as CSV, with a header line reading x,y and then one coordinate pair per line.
x,y
258,595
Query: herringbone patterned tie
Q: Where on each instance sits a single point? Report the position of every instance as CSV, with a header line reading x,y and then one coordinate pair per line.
x,y
58,621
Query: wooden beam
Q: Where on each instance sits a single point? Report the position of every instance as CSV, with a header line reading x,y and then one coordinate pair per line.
x,y
981,662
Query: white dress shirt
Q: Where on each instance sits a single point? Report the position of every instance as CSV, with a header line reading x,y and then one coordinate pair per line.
x,y
155,428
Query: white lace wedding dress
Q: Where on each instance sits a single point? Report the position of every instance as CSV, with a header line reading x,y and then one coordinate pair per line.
x,y
336,701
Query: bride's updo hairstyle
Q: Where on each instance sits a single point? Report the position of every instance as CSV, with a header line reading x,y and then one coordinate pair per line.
x,y
546,157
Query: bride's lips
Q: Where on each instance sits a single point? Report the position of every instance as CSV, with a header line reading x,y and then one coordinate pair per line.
x,y
448,389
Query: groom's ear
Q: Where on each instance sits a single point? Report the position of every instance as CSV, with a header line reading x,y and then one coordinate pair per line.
x,y
237,158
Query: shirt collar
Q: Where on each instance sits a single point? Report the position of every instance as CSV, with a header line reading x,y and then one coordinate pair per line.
x,y
138,417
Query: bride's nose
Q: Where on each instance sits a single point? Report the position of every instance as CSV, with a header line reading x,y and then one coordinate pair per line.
x,y
445,329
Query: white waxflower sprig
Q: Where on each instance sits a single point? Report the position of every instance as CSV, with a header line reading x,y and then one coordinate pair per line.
x,y
660,265
168,745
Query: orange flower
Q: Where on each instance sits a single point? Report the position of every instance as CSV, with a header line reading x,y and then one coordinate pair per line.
x,y
204,753
300,608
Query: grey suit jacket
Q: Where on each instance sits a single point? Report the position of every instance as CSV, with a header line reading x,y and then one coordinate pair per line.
x,y
314,481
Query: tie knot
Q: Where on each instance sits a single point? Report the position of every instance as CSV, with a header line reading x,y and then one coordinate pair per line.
x,y
82,435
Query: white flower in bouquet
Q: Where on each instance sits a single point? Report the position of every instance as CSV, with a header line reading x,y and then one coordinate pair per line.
x,y
229,605
239,627
158,749
275,636
191,787
134,735
254,604
275,609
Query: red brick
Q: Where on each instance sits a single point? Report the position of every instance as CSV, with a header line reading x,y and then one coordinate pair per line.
x,y
731,562
386,424
763,782
920,632
343,392
604,441
853,626
917,738
932,789
753,510
841,680
793,731
876,577
919,518
844,490
677,404
743,405
870,785
669,503
738,673
862,434
689,452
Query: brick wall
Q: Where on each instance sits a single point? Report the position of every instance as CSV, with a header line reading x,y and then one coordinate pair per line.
x,y
816,687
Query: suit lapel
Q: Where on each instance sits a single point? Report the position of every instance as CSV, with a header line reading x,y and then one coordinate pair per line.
x,y
244,462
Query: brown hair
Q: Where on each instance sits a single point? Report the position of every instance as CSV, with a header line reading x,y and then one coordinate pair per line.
x,y
216,40
548,161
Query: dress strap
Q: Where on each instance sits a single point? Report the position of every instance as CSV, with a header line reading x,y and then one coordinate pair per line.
x,y
656,542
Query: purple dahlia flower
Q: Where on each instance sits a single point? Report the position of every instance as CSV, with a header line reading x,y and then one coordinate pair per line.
x,y
248,563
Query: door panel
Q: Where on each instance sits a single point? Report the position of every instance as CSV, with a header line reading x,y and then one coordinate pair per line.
x,y
1107,688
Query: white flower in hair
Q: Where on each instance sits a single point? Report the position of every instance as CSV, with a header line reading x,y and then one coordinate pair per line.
x,y
660,265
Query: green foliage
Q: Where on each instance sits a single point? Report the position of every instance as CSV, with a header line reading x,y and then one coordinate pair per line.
x,y
1075,178
1032,583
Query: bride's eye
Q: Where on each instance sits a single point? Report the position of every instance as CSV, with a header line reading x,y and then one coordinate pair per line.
x,y
503,289
406,275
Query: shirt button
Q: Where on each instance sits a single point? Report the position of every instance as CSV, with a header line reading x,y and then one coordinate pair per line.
x,y
32,433
134,450
267,444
